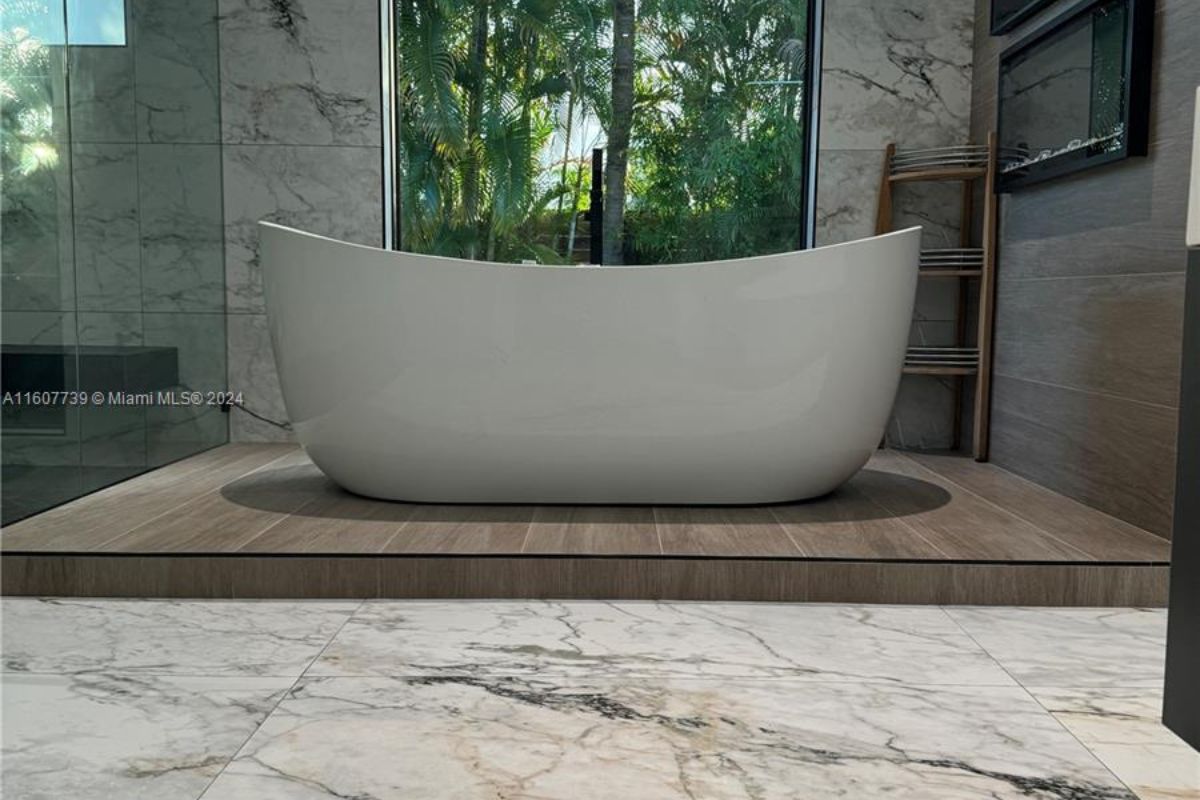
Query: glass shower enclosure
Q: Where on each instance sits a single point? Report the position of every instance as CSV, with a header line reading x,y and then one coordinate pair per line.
x,y
111,243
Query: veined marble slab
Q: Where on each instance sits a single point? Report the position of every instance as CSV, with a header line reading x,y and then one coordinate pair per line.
x,y
104,736
807,642
108,273
300,72
330,191
489,737
251,371
1123,727
180,223
177,72
896,71
167,637
1072,646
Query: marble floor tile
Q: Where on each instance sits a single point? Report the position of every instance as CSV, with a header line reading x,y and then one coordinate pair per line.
x,y
752,640
167,637
102,736
1123,727
472,737
1072,646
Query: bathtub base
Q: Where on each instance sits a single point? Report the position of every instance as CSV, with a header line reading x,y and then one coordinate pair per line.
x,y
277,529
716,479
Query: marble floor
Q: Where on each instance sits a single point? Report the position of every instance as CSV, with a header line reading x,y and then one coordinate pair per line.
x,y
266,700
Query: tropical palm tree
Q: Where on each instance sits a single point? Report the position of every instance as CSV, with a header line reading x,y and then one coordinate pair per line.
x,y
698,103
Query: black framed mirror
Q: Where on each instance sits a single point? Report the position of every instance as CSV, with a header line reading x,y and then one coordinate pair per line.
x,y
1008,14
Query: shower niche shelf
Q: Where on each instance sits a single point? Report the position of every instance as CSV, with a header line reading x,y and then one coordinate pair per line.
x,y
972,265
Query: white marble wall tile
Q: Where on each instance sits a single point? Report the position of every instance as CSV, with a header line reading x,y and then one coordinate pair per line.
x,y
39,327
164,637
107,253
933,333
300,71
847,191
923,415
182,236
332,191
1076,647
37,267
1123,727
104,736
109,328
936,207
176,62
252,372
295,72
848,201
809,642
102,90
487,736
896,71
173,432
112,436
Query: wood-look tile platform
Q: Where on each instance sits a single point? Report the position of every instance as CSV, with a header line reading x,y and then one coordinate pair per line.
x,y
260,520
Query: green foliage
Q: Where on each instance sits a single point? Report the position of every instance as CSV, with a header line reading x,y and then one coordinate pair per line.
x,y
492,161
26,111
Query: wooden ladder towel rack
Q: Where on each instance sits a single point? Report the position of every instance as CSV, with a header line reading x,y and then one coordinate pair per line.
x,y
970,266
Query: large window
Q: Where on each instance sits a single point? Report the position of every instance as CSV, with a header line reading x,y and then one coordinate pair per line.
x,y
692,115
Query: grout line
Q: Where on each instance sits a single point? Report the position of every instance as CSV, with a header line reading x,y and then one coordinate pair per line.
x,y
283,515
528,530
803,553
1107,395
524,536
662,551
779,524
188,502
1084,745
1179,273
334,146
1037,702
282,696
1046,490
1000,508
412,509
397,532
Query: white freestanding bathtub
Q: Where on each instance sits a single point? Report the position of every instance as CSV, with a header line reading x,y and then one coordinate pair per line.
x,y
413,377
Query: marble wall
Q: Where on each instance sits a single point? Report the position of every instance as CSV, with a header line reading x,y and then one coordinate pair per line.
x,y
302,145
897,71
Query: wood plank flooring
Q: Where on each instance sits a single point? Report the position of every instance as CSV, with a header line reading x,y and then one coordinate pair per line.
x,y
270,499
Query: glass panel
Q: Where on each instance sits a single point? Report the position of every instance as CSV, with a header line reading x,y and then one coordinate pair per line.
x,y
701,105
111,239
39,442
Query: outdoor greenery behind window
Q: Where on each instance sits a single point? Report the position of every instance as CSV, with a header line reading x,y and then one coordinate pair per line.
x,y
699,105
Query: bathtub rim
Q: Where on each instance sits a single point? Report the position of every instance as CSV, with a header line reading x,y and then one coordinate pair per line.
x,y
914,230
